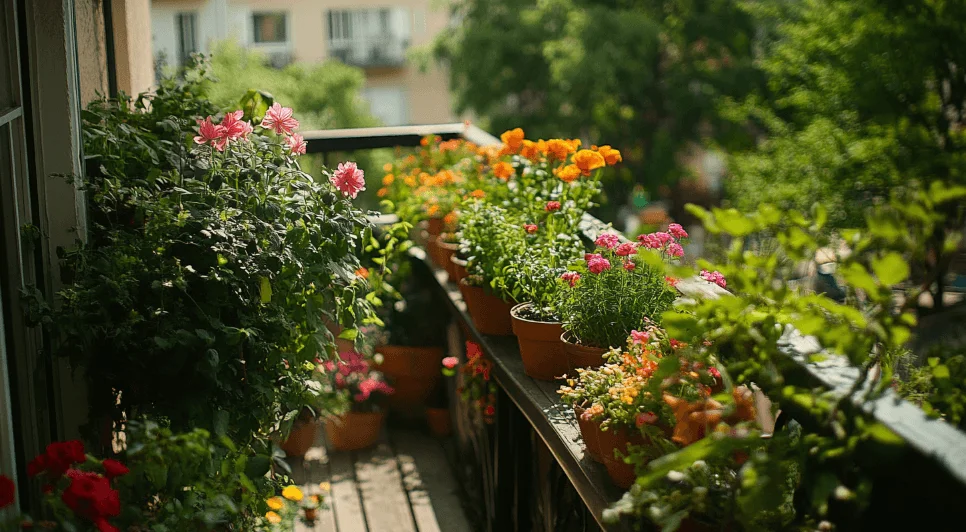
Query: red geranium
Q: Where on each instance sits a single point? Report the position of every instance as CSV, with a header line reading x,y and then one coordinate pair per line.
x,y
90,496
57,459
113,469
7,491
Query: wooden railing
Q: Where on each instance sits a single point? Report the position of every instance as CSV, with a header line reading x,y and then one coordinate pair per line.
x,y
929,475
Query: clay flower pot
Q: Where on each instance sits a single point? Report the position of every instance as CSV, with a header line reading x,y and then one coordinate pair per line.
x,y
447,250
413,372
301,439
435,226
619,439
581,356
311,514
490,314
354,430
589,431
458,268
540,345
439,421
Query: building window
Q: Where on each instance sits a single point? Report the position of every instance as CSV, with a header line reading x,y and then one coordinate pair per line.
x,y
388,104
369,37
187,36
269,28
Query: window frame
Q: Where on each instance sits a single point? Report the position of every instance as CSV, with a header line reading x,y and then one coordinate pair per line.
x,y
284,27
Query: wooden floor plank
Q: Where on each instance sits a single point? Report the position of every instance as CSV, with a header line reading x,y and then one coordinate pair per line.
x,y
316,466
433,492
383,497
344,500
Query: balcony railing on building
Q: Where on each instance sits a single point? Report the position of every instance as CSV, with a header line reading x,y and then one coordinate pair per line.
x,y
387,51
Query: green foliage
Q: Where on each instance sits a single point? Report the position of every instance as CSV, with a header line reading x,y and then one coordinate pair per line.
x,y
210,278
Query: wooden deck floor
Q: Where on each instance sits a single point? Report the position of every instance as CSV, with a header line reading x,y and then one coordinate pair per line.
x,y
403,484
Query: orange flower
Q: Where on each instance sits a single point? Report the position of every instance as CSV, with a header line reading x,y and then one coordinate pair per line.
x,y
503,170
530,150
387,167
478,194
588,160
611,156
362,273
568,173
559,149
388,179
450,219
410,181
432,209
382,192
692,418
512,140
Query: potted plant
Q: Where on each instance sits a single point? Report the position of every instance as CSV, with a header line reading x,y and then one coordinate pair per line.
x,y
488,239
351,379
613,291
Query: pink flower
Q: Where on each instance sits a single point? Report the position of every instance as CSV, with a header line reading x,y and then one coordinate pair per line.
x,y
348,179
588,256
629,265
645,418
675,250
210,133
296,144
598,264
570,277
607,241
370,386
663,238
715,277
530,228
450,362
649,241
552,206
640,337
626,249
677,231
714,372
235,127
279,119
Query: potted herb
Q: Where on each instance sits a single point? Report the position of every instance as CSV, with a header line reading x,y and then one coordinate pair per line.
x,y
612,292
352,379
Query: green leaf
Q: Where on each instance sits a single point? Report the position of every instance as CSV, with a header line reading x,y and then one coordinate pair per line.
x,y
349,334
733,222
265,290
891,268
940,371
858,277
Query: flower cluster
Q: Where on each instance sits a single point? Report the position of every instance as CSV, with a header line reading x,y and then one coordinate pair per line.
x,y
352,377
294,503
476,390
715,277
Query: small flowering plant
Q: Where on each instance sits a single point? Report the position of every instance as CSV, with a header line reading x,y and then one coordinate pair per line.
x,y
293,504
476,390
615,290
351,381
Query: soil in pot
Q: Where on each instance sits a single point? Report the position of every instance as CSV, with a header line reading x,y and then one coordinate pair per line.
x,y
540,345
301,439
619,439
413,373
589,430
354,430
439,421
490,314
581,356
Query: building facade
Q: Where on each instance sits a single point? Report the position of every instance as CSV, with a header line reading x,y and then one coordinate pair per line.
x,y
371,34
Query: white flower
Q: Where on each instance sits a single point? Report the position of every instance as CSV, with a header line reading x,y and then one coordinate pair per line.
x,y
675,476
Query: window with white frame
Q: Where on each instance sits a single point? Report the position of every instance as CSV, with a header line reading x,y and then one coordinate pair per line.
x,y
388,104
369,37
269,27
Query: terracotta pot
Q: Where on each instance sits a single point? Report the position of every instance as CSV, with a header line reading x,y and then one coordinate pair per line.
x,y
490,314
458,269
439,421
435,227
311,514
447,250
301,439
581,356
540,345
432,249
618,439
354,430
589,431
413,373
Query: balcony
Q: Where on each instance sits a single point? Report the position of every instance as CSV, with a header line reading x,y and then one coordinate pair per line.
x,y
385,52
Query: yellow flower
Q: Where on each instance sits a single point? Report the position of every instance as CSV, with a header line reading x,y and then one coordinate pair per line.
x,y
503,170
432,210
273,518
588,160
568,173
275,503
325,486
292,493
410,181
388,179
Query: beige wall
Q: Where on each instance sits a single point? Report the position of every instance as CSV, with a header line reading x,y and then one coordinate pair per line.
x,y
91,48
132,45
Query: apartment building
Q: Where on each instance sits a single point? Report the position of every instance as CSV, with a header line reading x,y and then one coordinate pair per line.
x,y
374,35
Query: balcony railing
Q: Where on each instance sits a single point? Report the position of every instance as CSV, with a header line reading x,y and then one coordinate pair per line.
x,y
369,53
929,477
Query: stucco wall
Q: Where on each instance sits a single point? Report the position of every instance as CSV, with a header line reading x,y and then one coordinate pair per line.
x,y
132,45
91,48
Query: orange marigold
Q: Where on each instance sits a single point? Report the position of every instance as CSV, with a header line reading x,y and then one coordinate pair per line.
x,y
530,150
568,173
513,139
450,219
559,149
478,194
611,156
503,170
387,167
382,192
588,161
410,181
362,273
432,209
388,179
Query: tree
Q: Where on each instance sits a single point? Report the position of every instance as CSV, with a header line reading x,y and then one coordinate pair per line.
x,y
642,75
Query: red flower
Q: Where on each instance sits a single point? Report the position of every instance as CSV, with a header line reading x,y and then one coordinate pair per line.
x,y
552,206
90,496
490,410
671,281
645,419
113,469
7,491
677,231
531,228
629,265
57,458
626,249
450,362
